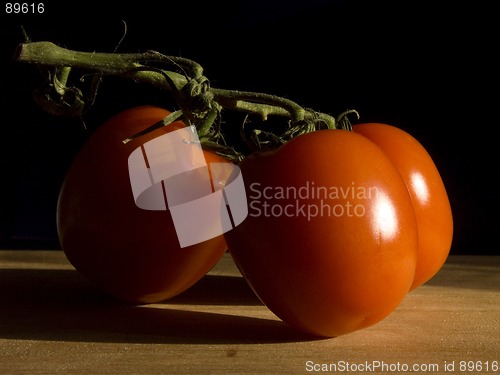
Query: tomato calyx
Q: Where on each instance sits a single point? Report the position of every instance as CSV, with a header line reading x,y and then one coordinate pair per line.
x,y
266,140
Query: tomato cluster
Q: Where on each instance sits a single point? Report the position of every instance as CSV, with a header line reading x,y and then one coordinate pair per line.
x,y
341,225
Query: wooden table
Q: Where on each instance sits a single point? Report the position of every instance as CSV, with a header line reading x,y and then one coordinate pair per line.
x,y
52,320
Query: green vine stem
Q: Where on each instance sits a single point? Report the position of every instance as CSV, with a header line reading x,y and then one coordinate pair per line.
x,y
199,103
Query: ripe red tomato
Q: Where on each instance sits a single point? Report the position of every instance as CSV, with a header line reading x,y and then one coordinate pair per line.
x,y
330,240
131,253
428,194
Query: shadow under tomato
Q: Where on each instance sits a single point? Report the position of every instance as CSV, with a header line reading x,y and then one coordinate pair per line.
x,y
218,290
61,305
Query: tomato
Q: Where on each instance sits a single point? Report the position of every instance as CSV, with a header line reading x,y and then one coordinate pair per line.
x,y
131,253
428,194
330,241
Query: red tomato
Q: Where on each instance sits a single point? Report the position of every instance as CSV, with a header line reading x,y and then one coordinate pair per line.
x,y
131,253
330,240
428,194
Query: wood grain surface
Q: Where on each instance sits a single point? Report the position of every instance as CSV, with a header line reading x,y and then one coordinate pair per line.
x,y
53,321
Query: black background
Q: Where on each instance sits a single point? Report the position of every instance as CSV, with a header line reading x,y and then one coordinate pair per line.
x,y
428,69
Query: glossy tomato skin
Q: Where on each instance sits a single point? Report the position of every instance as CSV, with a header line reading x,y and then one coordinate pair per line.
x,y
350,262
428,193
131,253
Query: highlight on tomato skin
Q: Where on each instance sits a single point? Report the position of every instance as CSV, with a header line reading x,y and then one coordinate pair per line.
x,y
130,253
427,190
330,241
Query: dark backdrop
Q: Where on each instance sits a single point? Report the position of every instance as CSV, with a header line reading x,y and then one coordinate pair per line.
x,y
426,68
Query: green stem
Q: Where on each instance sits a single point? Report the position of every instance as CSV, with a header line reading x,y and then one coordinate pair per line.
x,y
259,103
50,54
148,67
63,75
132,65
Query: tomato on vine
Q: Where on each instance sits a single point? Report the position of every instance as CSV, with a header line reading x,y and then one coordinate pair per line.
x,y
330,240
341,224
131,253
